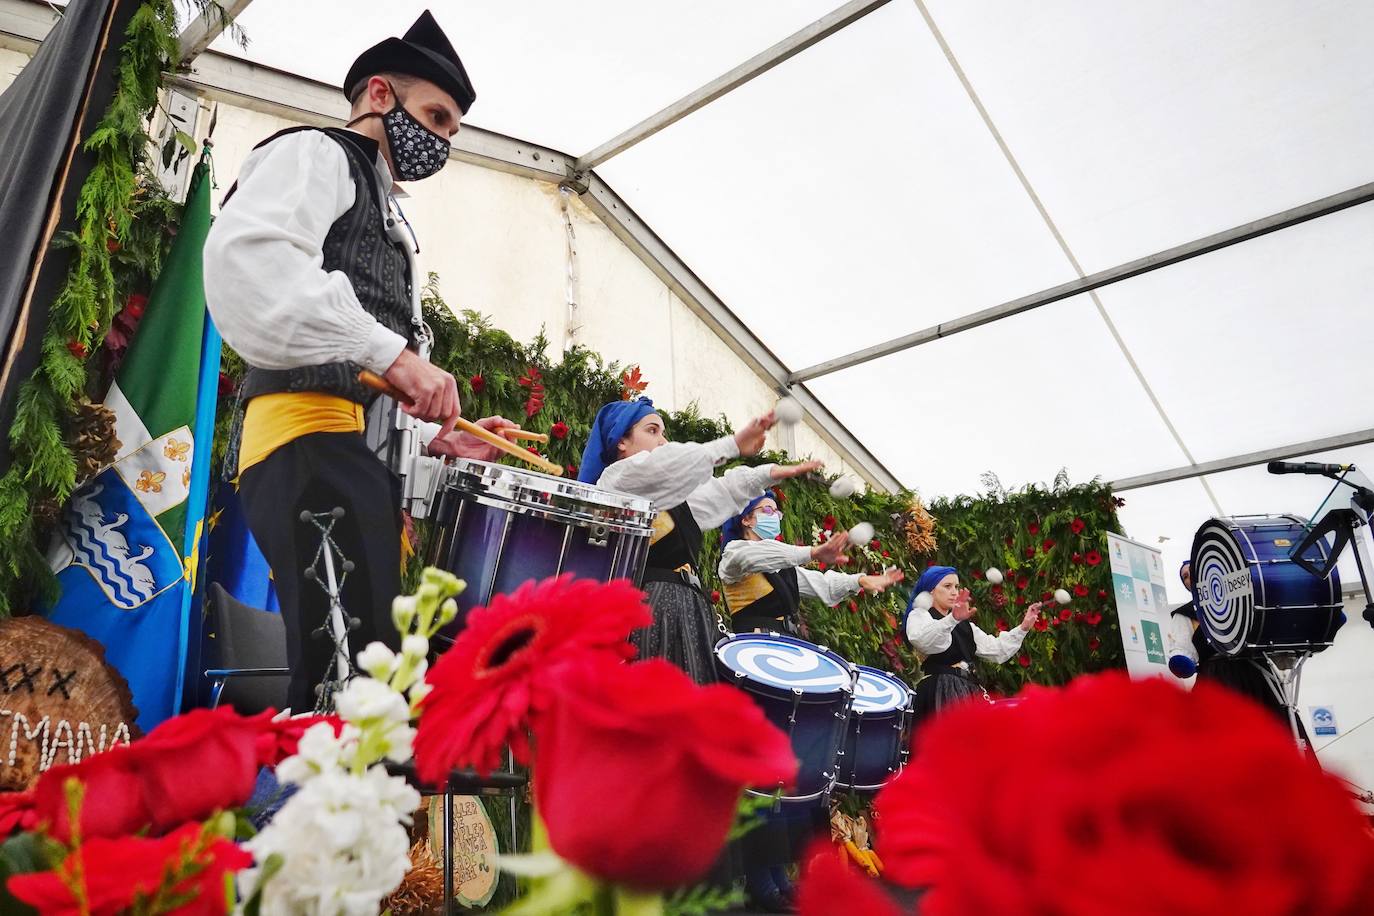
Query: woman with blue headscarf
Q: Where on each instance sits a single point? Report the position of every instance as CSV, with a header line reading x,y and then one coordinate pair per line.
x,y
940,627
765,579
628,452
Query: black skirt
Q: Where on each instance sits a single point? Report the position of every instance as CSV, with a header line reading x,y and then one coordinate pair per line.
x,y
941,688
684,631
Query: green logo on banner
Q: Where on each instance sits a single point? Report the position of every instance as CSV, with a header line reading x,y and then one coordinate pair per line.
x,y
1154,643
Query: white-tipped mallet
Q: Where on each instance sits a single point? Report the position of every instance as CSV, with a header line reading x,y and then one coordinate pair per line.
x,y
861,534
994,575
788,411
924,601
842,488
1062,596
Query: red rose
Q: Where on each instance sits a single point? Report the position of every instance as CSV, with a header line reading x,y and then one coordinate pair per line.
x,y
1094,618
821,566
1041,623
1033,527
1021,600
886,554
505,665
1048,596
1076,558
944,832
831,887
135,305
144,786
1065,615
1101,593
1093,558
853,606
1023,660
977,574
997,587
1047,545
226,385
715,596
77,349
639,770
1080,590
1030,553
1077,526
1022,582
478,383
875,544
1002,625
559,430
1093,644
828,523
572,470
114,873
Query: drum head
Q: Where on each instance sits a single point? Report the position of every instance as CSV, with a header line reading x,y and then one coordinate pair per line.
x,y
877,691
784,664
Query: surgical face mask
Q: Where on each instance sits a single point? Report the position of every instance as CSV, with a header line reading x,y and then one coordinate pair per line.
x,y
768,527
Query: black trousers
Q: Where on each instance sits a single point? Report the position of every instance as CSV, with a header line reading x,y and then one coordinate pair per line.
x,y
316,473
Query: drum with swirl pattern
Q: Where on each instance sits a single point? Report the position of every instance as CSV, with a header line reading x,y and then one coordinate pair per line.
x,y
875,747
803,689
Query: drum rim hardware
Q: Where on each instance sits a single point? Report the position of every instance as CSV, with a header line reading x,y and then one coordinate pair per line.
x,y
532,493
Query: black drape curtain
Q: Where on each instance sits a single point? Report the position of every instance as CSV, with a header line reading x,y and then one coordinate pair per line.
x,y
55,102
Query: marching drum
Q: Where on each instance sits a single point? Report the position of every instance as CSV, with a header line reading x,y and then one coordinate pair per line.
x,y
497,527
1250,595
803,689
875,745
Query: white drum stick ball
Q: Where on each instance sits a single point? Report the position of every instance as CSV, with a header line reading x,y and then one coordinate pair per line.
x,y
861,534
788,411
1062,596
924,601
842,488
994,575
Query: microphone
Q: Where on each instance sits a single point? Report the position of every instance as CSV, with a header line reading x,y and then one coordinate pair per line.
x,y
1181,666
1305,467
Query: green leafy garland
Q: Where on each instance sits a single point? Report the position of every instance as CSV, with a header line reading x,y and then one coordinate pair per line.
x,y
498,375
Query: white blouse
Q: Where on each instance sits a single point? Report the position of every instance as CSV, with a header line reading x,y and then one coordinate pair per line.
x,y
929,636
678,472
742,558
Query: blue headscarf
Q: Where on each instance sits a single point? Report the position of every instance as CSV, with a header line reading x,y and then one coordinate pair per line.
x,y
1180,568
613,423
733,529
929,579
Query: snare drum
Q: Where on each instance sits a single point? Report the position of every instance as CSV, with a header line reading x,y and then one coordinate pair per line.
x,y
803,689
1250,595
497,527
875,745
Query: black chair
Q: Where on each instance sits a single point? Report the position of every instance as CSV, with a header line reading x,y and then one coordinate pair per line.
x,y
252,673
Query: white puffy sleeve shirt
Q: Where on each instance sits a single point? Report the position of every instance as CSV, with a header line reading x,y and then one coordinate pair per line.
x,y
742,558
265,283
678,472
929,636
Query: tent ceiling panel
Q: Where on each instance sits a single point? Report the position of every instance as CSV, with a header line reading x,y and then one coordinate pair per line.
x,y
1262,344
849,195
1022,398
1159,123
566,76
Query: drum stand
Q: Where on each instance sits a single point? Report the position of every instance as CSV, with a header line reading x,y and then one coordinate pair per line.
x,y
336,626
1283,673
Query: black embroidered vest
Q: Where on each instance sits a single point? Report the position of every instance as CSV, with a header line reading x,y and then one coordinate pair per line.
x,y
767,601
675,543
961,647
358,246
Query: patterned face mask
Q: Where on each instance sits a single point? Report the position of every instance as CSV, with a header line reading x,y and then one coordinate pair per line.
x,y
416,151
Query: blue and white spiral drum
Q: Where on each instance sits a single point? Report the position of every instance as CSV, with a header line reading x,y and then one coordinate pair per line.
x,y
875,746
803,689
1250,595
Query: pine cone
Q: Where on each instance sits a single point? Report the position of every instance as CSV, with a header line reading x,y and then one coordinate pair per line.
x,y
45,512
91,437
918,527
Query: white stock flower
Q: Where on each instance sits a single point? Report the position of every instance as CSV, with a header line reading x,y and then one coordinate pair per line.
x,y
416,646
319,751
378,661
366,699
403,610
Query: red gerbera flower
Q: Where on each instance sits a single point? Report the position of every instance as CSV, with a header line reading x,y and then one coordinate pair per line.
x,y
502,669
1048,596
1065,615
1002,625
1023,660
1093,558
1102,593
1077,526
830,887
1030,553
1077,558
1021,600
1094,643
828,523
1080,590
1047,545
1093,619
1022,582
1041,623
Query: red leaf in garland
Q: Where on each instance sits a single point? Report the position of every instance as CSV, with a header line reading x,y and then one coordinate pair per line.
x,y
632,383
1077,526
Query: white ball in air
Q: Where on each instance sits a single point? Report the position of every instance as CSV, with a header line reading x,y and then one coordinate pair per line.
x,y
1062,596
861,534
994,575
842,488
788,411
924,601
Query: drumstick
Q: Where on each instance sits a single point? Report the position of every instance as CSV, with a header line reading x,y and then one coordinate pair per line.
x,y
517,433
377,383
